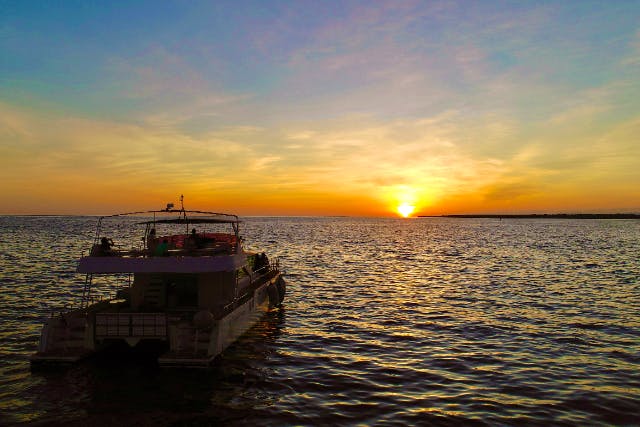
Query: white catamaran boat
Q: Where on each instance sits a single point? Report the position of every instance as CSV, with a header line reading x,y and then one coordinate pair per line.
x,y
187,287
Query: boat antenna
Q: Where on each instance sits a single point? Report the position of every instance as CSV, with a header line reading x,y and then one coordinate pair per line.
x,y
184,213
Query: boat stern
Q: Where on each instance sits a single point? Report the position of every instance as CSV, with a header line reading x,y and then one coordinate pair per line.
x,y
64,339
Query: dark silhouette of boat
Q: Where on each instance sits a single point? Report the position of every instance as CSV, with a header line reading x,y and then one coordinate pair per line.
x,y
188,287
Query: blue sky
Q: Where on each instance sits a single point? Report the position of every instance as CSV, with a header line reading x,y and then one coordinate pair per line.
x,y
450,106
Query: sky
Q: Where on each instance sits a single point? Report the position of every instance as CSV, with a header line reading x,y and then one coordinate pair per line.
x,y
320,107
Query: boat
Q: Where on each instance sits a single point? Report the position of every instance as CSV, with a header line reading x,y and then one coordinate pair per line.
x,y
176,280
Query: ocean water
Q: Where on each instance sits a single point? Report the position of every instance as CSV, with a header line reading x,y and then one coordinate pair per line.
x,y
426,321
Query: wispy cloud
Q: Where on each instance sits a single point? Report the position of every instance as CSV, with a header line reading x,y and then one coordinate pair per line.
x,y
169,89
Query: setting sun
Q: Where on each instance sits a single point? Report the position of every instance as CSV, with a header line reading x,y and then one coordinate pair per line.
x,y
405,209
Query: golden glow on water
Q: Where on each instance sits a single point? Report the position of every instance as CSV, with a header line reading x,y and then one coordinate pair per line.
x,y
452,321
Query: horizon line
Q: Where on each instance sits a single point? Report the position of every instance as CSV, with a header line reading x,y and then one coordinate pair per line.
x,y
573,215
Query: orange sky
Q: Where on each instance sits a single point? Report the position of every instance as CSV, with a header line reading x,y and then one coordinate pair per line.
x,y
531,109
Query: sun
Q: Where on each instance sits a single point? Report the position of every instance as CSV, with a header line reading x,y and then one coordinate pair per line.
x,y
405,209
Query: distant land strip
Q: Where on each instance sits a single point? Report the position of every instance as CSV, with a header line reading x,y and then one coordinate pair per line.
x,y
543,216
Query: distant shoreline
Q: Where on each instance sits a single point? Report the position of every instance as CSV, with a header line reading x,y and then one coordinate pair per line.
x,y
542,216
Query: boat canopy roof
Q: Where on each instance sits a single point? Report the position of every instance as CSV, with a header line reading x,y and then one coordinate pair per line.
x,y
185,217
193,220
170,216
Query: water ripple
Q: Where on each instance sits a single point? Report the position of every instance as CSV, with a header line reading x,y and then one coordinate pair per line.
x,y
387,322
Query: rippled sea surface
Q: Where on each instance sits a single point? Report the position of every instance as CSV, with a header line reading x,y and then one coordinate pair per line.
x,y
427,321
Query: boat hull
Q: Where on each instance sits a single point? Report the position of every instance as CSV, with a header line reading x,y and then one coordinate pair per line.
x,y
198,347
192,341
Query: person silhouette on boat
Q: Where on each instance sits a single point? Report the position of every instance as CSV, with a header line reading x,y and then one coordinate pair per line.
x,y
105,246
192,240
262,262
152,240
162,249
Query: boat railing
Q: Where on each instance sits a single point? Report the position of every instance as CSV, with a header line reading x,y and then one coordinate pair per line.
x,y
256,278
97,299
59,310
262,270
120,324
82,307
178,245
272,266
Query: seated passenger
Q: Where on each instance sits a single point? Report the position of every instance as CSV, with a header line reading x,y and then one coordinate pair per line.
x,y
162,249
192,240
152,241
262,262
105,246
